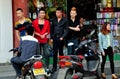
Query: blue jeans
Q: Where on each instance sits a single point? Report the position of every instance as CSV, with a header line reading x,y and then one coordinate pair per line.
x,y
71,49
17,64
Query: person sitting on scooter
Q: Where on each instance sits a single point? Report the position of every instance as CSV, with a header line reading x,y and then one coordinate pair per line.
x,y
28,47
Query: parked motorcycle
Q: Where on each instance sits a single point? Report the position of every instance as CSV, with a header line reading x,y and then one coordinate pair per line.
x,y
81,65
85,64
33,68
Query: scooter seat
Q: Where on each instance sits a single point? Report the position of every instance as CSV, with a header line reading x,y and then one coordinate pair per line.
x,y
73,57
63,57
76,57
81,57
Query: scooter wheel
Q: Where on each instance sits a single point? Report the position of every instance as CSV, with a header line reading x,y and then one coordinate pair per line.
x,y
69,74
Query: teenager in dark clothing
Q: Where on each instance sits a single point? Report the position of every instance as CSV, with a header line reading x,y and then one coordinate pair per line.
x,y
83,31
73,31
58,33
29,46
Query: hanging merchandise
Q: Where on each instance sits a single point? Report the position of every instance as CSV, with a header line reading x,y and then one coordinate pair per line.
x,y
100,6
109,4
118,3
114,3
104,3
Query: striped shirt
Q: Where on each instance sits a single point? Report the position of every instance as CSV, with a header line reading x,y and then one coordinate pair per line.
x,y
21,27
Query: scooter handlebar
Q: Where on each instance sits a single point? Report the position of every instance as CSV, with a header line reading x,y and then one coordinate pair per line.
x,y
14,49
84,43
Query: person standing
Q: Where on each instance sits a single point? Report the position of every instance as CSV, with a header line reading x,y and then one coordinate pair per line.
x,y
73,31
21,24
58,33
84,30
106,47
42,30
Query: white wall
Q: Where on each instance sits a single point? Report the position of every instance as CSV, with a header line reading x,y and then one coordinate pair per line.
x,y
6,32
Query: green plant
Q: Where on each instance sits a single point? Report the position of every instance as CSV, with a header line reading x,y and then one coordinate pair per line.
x,y
31,6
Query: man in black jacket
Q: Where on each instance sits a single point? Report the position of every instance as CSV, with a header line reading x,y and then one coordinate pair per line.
x,y
58,31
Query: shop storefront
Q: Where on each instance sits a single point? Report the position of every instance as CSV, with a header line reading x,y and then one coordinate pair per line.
x,y
89,9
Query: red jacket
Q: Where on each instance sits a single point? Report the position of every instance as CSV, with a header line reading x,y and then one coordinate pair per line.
x,y
45,29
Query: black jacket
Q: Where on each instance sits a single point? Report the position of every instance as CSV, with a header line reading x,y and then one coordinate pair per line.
x,y
71,33
59,29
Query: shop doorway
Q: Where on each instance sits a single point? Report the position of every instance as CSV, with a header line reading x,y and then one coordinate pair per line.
x,y
85,8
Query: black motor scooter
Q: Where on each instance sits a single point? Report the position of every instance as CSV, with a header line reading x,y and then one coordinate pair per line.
x,y
86,63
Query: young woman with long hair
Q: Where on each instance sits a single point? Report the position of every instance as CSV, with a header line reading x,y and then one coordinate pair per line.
x,y
106,47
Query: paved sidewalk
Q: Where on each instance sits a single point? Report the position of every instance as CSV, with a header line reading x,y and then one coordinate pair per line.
x,y
7,71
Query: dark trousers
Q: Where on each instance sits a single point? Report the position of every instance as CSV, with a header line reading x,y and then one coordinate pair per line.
x,y
57,46
17,64
45,53
109,52
71,49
